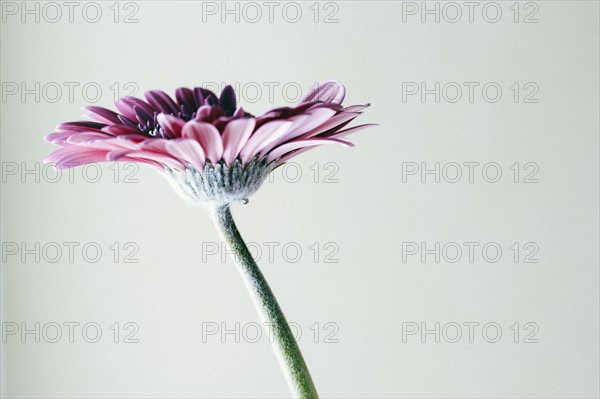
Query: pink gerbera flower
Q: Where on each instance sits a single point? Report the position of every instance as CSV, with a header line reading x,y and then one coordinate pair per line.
x,y
212,150
217,154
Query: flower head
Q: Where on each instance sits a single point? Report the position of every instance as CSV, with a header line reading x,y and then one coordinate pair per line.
x,y
211,149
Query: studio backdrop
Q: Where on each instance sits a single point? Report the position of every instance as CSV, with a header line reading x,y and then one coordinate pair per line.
x,y
451,252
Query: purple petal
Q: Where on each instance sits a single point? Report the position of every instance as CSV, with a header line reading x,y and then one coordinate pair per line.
x,y
142,116
80,126
103,115
128,122
125,106
211,100
227,100
200,94
161,102
185,97
119,130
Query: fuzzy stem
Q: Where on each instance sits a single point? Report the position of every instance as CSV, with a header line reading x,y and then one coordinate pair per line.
x,y
284,343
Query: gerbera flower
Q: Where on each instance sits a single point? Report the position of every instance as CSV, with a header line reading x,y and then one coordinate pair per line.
x,y
213,150
217,154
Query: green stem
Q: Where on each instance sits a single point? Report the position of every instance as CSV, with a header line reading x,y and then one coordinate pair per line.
x,y
284,343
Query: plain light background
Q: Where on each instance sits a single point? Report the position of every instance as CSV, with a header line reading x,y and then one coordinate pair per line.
x,y
370,293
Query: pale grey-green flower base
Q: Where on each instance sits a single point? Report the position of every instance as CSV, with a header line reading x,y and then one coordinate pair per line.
x,y
219,183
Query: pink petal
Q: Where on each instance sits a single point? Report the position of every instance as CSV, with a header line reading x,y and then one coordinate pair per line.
x,y
294,145
357,108
264,136
208,136
68,157
302,125
317,117
116,155
331,123
170,124
346,132
87,137
159,147
239,113
117,143
187,151
203,111
329,91
156,145
132,138
235,136
58,137
293,154
297,122
121,155
146,156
